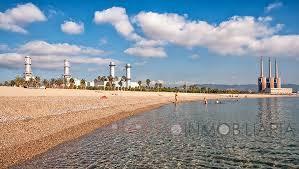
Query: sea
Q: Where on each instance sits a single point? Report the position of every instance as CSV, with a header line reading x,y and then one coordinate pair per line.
x,y
235,133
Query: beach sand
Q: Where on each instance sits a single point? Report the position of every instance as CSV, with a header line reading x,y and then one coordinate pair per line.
x,y
34,120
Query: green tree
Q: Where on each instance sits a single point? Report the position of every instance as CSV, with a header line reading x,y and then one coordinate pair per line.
x,y
72,83
120,83
52,82
6,83
148,82
82,83
19,81
139,83
12,83
45,83
110,81
31,82
37,81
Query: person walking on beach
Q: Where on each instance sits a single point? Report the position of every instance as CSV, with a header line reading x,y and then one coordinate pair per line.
x,y
176,97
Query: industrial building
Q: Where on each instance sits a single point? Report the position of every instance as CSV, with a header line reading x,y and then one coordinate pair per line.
x,y
270,84
101,83
28,71
117,82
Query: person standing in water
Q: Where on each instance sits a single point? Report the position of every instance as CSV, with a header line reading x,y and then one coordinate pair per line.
x,y
205,101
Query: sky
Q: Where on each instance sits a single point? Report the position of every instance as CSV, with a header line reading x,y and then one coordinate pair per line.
x,y
192,41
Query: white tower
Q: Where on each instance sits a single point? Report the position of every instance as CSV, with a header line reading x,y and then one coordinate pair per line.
x,y
28,71
128,74
112,69
67,66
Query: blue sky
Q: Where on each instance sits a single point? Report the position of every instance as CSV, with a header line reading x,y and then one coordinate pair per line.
x,y
173,41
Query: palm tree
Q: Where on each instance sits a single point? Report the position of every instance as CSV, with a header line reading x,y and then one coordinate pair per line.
x,y
148,82
120,84
52,82
157,86
59,82
103,78
6,83
45,82
37,81
19,81
82,83
72,83
111,79
31,81
160,85
12,83
139,83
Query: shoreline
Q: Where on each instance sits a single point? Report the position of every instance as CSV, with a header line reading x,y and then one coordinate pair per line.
x,y
30,137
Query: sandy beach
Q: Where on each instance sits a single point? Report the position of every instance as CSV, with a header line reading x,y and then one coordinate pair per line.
x,y
35,120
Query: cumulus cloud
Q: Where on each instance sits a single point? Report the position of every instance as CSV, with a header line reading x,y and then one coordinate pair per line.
x,y
236,36
45,48
143,47
272,6
146,51
17,18
117,17
50,56
72,28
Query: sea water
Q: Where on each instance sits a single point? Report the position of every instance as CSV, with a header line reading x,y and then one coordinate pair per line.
x,y
245,133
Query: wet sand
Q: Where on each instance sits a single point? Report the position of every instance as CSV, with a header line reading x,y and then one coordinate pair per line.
x,y
34,120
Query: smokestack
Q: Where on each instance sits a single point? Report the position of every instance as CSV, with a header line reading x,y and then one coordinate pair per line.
x,y
28,71
67,69
128,74
270,73
261,67
276,69
112,69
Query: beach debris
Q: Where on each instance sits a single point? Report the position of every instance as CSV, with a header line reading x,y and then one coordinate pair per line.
x,y
103,97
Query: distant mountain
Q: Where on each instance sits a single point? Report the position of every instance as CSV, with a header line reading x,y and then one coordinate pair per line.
x,y
245,87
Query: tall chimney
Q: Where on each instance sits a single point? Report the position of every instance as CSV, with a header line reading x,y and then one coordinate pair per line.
x,y
261,67
112,69
276,69
67,69
270,73
28,70
128,74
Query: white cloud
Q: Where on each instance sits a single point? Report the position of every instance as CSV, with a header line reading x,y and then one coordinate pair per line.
x,y
16,18
140,63
45,48
51,56
147,52
195,56
119,19
72,28
236,36
103,41
3,47
272,6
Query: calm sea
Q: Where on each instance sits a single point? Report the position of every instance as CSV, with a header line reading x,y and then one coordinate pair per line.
x,y
246,133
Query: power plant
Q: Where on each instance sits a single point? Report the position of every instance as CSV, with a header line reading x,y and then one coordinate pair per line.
x,y
28,71
128,74
270,84
112,69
